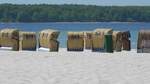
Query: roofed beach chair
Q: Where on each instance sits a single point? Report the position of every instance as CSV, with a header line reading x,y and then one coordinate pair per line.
x,y
98,40
75,41
9,38
48,39
117,40
27,41
126,43
88,39
143,45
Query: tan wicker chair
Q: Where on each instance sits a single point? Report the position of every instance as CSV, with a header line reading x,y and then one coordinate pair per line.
x,y
126,43
117,40
27,41
9,38
98,38
143,44
48,39
75,41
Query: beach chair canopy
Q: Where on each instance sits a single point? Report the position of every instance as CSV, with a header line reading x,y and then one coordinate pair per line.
x,y
104,30
49,33
75,35
9,33
126,34
88,34
27,35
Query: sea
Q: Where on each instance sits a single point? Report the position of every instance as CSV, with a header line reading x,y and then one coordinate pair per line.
x,y
64,27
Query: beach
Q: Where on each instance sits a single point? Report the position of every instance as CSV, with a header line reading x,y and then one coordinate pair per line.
x,y
63,67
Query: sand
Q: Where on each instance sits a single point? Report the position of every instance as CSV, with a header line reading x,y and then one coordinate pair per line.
x,y
29,67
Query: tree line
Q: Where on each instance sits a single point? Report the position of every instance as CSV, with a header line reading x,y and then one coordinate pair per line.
x,y
72,13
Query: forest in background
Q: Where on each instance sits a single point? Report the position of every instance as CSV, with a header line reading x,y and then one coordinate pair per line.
x,y
73,13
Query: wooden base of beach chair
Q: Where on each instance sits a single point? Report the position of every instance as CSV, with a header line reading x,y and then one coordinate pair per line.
x,y
98,50
88,48
144,50
29,49
118,50
139,50
79,49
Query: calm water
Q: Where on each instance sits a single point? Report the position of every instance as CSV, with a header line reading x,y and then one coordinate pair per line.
x,y
79,26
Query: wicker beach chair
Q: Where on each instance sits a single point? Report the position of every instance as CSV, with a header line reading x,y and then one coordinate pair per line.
x,y
48,39
143,44
117,40
75,41
88,39
9,38
126,43
98,39
27,41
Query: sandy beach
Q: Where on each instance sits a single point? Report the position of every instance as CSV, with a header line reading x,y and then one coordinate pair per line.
x,y
41,67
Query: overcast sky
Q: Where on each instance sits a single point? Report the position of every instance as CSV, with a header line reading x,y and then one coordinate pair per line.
x,y
87,2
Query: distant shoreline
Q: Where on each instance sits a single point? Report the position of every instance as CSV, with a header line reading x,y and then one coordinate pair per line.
x,y
73,13
73,22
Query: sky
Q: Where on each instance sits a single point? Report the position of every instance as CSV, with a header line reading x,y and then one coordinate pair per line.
x,y
86,2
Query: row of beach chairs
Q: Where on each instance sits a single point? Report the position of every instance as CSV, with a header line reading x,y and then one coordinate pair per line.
x,y
21,40
98,40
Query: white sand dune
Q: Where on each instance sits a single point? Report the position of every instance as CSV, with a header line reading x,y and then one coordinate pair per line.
x,y
29,67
